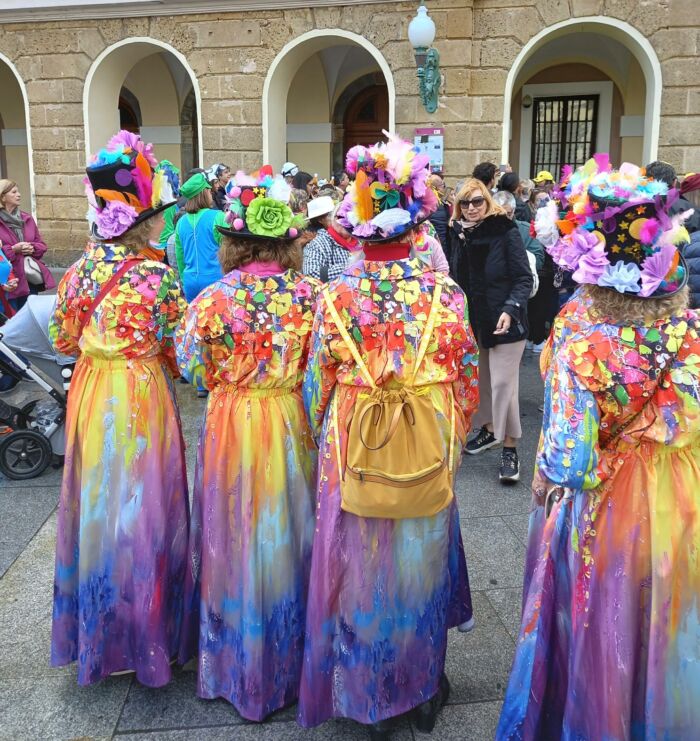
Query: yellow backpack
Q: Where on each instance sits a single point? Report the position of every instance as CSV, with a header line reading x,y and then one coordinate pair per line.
x,y
395,465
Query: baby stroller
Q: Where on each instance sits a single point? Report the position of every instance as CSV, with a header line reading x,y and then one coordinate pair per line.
x,y
37,435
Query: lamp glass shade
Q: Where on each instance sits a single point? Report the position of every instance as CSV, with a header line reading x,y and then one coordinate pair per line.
x,y
421,30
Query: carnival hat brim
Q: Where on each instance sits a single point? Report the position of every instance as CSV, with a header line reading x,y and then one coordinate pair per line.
x,y
245,234
143,216
394,237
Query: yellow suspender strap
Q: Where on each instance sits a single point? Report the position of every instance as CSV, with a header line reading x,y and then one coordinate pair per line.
x,y
348,340
427,333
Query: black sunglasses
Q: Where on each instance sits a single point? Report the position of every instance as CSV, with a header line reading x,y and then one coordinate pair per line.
x,y
476,202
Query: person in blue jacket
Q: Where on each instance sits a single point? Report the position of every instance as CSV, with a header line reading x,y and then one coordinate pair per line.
x,y
197,239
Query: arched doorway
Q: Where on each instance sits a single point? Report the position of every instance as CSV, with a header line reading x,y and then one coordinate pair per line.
x,y
304,90
582,85
148,87
15,136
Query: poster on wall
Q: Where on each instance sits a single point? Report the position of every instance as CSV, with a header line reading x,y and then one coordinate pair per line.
x,y
431,142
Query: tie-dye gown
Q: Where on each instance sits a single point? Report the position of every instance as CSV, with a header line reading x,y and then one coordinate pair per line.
x,y
246,338
121,547
609,646
383,592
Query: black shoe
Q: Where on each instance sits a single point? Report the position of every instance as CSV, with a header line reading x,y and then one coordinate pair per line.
x,y
425,715
379,731
483,440
510,466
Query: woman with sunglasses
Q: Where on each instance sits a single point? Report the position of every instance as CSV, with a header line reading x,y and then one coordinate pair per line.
x,y
490,263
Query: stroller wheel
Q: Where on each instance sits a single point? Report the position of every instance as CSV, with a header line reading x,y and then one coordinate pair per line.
x,y
24,454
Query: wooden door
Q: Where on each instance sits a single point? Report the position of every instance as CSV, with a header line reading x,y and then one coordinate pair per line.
x,y
366,115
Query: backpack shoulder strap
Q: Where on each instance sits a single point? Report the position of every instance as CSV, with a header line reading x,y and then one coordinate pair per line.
x,y
347,339
430,325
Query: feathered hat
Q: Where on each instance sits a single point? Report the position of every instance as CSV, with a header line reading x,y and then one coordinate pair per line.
x,y
258,207
390,194
614,230
124,186
172,175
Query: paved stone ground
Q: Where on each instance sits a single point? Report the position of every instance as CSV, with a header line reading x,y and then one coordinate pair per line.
x,y
38,702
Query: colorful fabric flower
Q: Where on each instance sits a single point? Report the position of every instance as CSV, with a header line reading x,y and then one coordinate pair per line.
x,y
267,217
623,277
593,263
115,218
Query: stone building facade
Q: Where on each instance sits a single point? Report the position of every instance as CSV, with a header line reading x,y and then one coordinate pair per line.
x,y
240,82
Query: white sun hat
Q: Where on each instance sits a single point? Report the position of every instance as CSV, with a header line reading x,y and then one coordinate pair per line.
x,y
320,206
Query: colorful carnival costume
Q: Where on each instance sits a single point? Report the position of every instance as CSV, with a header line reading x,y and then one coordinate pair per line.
x,y
246,338
121,545
383,592
609,646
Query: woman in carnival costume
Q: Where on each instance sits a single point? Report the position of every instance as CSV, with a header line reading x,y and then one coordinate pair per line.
x,y
609,646
384,591
246,339
121,546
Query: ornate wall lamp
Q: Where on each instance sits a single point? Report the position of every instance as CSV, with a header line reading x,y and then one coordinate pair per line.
x,y
421,33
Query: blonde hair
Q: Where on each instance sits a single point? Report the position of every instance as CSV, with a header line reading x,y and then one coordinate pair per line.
x,y
624,308
465,190
235,252
137,237
5,187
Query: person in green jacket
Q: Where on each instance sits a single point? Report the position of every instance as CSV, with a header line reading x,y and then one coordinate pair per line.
x,y
197,239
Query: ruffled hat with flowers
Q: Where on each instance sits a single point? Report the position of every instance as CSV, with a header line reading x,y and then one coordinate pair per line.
x,y
390,194
258,207
615,231
124,186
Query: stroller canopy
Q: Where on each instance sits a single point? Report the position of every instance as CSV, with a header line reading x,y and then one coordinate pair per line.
x,y
28,330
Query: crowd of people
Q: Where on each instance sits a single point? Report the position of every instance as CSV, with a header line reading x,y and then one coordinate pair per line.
x,y
348,337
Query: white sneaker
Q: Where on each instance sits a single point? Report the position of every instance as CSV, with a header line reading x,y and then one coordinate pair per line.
x,y
528,345
538,348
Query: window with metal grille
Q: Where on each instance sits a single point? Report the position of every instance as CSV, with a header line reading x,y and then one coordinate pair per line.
x,y
563,132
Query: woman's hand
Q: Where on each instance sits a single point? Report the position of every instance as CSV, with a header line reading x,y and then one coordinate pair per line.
x,y
27,248
17,248
10,285
503,324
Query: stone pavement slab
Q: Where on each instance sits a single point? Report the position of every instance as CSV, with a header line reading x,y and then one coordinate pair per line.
x,y
39,702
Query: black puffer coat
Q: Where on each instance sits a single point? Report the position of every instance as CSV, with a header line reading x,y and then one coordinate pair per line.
x,y
490,264
691,252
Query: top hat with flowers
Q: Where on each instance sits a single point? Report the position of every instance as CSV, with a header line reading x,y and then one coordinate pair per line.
x,y
615,230
124,185
258,207
390,194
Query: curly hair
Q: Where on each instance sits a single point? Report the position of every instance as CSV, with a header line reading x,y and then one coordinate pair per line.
x,y
137,237
235,252
623,308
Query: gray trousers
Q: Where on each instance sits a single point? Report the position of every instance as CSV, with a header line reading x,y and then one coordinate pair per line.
x,y
499,388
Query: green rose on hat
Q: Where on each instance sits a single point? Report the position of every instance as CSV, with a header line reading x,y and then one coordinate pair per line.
x,y
268,217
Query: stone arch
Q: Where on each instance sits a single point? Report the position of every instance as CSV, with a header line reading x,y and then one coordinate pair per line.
x,y
282,72
106,78
612,28
18,136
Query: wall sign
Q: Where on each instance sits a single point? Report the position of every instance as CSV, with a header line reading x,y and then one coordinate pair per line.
x,y
431,142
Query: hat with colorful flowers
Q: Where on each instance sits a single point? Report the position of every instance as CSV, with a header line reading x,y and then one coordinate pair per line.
x,y
390,193
614,230
258,207
124,185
